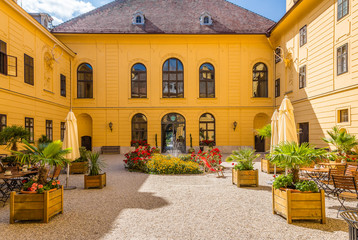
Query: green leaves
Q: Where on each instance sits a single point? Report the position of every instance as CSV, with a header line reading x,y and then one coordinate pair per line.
x,y
13,134
244,158
95,163
264,132
283,181
307,186
292,155
343,141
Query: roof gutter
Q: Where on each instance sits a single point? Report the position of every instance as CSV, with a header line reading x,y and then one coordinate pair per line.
x,y
23,13
271,29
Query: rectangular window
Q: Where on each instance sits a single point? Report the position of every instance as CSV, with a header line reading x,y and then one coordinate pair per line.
x,y
3,58
28,69
63,129
342,8
63,85
277,88
278,55
29,126
342,59
49,130
304,129
302,77
2,125
343,116
303,36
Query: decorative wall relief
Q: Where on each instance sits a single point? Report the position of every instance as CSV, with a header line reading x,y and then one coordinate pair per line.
x,y
48,71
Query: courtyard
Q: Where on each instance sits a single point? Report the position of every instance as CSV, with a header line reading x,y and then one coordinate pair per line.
x,y
141,206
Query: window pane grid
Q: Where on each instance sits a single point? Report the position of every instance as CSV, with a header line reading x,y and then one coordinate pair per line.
x,y
49,130
342,59
260,80
173,87
85,81
139,81
63,85
342,8
207,81
139,128
62,130
29,126
343,116
277,88
3,122
302,77
28,69
207,128
303,36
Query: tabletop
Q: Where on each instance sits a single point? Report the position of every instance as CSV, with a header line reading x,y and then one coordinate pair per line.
x,y
315,170
17,174
332,164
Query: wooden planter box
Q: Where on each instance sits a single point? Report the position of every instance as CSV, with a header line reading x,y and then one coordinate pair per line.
x,y
267,167
39,207
79,167
245,178
295,205
98,181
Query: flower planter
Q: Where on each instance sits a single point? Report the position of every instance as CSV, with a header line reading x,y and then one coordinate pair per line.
x,y
98,181
79,168
245,178
36,207
267,167
295,205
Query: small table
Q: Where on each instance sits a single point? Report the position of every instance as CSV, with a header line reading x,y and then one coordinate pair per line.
x,y
331,164
317,175
12,182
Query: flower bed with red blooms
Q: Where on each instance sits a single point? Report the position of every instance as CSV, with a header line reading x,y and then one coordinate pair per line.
x,y
32,185
209,143
137,159
213,157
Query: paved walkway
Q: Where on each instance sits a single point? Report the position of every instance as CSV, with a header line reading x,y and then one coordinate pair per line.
x,y
141,206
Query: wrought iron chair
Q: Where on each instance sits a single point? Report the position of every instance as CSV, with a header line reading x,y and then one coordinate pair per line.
x,y
345,188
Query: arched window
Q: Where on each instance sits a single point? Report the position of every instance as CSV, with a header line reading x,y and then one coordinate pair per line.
x,y
85,81
260,80
207,129
173,79
207,81
139,81
139,128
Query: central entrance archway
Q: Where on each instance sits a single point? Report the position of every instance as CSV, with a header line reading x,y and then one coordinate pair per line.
x,y
173,133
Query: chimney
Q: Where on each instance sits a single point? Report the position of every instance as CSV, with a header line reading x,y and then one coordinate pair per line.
x,y
43,18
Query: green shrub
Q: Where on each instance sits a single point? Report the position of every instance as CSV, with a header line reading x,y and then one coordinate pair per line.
x,y
306,186
160,164
83,155
244,158
283,181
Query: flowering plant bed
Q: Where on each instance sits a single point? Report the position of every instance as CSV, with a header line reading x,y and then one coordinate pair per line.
x,y
36,207
136,160
32,186
160,164
137,143
209,143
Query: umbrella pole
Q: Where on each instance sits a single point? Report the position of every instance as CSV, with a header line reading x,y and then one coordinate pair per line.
x,y
67,178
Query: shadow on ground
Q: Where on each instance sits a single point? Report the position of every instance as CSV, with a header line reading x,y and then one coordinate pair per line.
x,y
89,214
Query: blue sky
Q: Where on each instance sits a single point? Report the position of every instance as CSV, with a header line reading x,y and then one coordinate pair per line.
x,y
63,10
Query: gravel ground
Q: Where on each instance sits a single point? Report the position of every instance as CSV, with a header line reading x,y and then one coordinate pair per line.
x,y
141,206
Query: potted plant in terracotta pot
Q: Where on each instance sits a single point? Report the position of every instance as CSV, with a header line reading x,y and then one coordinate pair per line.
x,y
243,173
95,178
80,165
292,198
48,198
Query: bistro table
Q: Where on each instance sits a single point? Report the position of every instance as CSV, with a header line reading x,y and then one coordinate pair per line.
x,y
317,175
12,182
331,164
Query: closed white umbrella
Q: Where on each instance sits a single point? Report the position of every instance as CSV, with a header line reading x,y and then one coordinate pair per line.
x,y
71,141
274,132
286,123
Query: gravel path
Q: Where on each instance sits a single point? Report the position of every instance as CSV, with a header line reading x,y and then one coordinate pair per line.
x,y
141,206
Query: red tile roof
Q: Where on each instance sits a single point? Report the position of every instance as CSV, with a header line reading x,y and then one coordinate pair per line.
x,y
168,17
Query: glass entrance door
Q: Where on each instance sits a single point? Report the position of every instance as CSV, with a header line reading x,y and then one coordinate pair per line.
x,y
173,133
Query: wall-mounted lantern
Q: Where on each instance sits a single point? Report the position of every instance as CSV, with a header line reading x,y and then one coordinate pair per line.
x,y
110,126
234,125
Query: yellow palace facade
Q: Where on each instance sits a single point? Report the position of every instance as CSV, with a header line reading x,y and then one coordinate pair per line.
x,y
170,71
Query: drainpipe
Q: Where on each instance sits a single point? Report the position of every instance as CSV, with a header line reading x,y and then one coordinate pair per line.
x,y
274,69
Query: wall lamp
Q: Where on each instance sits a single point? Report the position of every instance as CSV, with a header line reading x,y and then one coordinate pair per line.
x,y
110,126
234,124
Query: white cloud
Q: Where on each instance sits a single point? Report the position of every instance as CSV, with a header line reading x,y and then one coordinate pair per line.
x,y
60,10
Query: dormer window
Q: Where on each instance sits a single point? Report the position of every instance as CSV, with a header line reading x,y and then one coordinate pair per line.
x,y
206,19
138,18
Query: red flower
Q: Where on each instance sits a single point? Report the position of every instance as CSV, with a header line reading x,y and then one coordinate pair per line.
x,y
233,164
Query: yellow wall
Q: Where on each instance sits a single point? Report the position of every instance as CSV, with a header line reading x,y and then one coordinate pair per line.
x,y
325,92
112,57
42,101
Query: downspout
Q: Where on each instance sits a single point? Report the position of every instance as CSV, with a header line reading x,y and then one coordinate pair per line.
x,y
70,85
274,69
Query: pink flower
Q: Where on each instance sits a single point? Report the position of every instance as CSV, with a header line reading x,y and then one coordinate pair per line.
x,y
40,186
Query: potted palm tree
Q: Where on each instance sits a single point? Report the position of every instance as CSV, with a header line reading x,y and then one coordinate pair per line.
x,y
292,198
243,173
80,165
95,178
48,200
12,135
